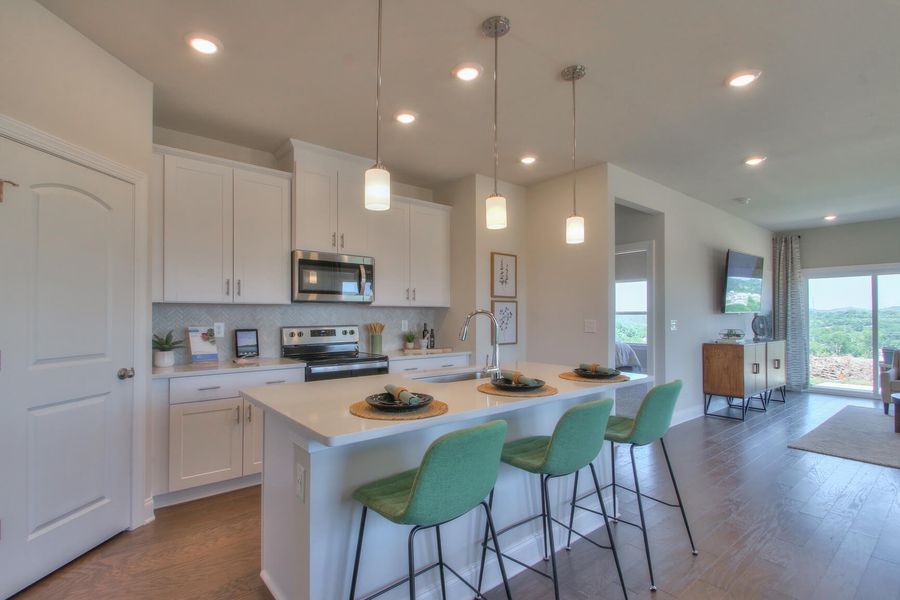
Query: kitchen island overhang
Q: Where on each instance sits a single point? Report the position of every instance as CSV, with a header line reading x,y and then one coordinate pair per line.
x,y
316,453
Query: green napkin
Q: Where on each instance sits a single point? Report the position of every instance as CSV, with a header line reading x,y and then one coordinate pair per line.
x,y
595,368
517,377
402,396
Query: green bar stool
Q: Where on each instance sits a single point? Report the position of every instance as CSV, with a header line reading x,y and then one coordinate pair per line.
x,y
575,443
457,472
649,425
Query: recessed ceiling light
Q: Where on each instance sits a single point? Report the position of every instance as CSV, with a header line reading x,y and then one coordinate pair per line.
x,y
528,159
405,117
744,78
754,161
467,71
830,217
204,44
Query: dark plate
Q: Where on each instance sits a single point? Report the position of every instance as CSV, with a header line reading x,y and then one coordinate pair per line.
x,y
591,375
385,401
506,384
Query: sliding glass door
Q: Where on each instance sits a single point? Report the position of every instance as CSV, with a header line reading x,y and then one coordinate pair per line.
x,y
853,315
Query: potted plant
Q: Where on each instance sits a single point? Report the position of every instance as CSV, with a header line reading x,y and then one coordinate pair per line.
x,y
164,349
409,339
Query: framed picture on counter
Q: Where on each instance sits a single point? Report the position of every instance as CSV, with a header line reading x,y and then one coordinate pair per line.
x,y
246,343
503,275
507,314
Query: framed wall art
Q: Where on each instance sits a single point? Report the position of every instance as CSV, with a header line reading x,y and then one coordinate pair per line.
x,y
507,314
504,275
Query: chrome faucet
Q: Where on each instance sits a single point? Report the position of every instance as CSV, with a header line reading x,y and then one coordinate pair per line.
x,y
494,368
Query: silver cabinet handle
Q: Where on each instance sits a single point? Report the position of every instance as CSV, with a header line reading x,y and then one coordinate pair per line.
x,y
238,288
207,389
777,363
411,369
228,287
334,239
342,240
407,293
249,413
237,414
414,293
755,368
275,382
445,366
125,373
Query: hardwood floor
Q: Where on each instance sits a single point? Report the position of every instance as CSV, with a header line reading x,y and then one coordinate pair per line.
x,y
769,522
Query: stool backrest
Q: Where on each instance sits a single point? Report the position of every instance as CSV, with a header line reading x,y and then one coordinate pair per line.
x,y
655,414
457,472
578,437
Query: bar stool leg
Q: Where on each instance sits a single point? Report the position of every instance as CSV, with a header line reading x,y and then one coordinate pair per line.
x,y
546,494
490,522
544,511
637,488
678,496
612,544
572,513
612,456
487,524
437,531
412,563
362,528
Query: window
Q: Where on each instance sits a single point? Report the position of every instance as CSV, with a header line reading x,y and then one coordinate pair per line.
x,y
631,312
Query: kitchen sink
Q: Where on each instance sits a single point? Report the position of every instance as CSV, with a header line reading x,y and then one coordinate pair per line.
x,y
451,377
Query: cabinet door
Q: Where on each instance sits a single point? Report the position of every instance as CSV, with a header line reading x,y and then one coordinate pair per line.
x,y
429,255
198,224
156,186
353,231
389,246
253,439
262,244
315,204
754,369
205,442
775,367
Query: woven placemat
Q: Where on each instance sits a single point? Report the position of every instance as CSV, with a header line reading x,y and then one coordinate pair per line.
x,y
364,410
572,376
546,390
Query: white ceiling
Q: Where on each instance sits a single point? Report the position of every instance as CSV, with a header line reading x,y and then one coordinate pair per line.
x,y
826,111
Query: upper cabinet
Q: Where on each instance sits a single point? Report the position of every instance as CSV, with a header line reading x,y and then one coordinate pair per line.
x,y
225,231
429,254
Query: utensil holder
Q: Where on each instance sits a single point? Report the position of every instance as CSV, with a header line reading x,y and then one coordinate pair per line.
x,y
375,343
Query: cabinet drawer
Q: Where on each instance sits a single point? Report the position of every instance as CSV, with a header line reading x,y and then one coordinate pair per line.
x,y
228,385
411,365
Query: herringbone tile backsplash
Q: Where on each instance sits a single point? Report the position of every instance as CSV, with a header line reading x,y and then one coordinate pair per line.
x,y
269,319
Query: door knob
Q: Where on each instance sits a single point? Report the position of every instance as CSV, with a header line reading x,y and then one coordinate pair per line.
x,y
124,373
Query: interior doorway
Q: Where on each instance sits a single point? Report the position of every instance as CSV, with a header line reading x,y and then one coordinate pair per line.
x,y
634,307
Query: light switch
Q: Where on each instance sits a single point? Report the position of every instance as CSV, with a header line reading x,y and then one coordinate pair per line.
x,y
404,325
590,326
673,325
219,330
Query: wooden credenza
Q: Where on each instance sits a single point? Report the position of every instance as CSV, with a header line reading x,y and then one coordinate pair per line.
x,y
741,372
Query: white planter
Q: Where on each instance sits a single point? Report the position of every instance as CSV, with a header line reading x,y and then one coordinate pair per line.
x,y
409,345
163,358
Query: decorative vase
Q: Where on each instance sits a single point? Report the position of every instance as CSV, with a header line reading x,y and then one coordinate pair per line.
x,y
163,358
409,345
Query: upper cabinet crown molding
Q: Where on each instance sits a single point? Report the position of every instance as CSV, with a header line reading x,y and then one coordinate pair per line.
x,y
226,162
303,150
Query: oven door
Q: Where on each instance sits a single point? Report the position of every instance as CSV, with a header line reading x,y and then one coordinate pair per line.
x,y
340,371
326,277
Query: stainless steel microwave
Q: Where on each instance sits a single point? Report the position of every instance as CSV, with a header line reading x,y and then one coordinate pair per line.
x,y
327,277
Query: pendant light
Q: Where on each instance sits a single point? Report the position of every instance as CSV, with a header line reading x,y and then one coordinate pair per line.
x,y
378,179
575,223
495,205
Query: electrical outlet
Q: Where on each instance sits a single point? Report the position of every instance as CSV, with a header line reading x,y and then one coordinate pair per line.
x,y
590,326
404,325
219,330
673,325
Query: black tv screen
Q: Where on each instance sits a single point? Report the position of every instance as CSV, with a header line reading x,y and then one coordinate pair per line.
x,y
743,283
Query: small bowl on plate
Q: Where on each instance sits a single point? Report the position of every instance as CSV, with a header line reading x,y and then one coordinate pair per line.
x,y
385,401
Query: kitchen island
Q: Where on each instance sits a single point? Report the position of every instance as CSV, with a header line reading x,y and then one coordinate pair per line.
x,y
316,453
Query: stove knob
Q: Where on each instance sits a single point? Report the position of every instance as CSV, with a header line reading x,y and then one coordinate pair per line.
x,y
299,334
344,332
352,332
292,334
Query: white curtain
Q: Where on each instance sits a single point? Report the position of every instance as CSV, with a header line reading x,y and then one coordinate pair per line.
x,y
790,313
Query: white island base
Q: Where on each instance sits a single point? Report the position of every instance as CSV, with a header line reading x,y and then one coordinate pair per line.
x,y
316,453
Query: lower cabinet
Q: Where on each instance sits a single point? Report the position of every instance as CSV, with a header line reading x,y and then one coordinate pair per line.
x,y
428,362
253,439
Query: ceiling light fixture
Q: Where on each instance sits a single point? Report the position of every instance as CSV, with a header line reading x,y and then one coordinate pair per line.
x,y
495,205
830,217
754,161
378,179
467,71
575,223
743,200
528,159
744,78
405,117
204,44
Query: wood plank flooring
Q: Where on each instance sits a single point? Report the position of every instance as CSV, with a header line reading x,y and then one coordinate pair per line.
x,y
769,522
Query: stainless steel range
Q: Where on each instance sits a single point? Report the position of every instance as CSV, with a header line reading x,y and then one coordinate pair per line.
x,y
330,352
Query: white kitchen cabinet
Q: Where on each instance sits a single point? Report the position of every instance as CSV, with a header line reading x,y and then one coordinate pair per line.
x,y
157,227
427,362
253,439
389,246
198,225
262,238
429,255
353,217
206,442
315,204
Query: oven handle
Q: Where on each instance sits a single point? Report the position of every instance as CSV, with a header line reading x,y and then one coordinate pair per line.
x,y
362,280
314,370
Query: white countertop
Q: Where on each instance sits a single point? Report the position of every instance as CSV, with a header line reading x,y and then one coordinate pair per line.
x,y
399,355
320,409
191,369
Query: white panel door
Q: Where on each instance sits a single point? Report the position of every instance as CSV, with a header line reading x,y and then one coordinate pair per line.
x,y
429,255
253,439
198,231
66,327
315,205
389,246
352,214
262,238
205,442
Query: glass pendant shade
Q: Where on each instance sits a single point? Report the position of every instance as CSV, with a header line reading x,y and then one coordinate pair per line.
x,y
495,215
575,230
378,188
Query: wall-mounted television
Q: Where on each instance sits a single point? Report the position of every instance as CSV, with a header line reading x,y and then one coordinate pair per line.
x,y
743,283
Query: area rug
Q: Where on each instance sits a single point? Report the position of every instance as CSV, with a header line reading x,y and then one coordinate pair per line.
x,y
857,433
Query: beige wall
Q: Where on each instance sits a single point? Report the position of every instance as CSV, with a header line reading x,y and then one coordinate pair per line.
x,y
870,243
55,79
205,145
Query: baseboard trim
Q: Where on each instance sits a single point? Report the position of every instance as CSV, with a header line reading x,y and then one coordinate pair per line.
x,y
204,491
